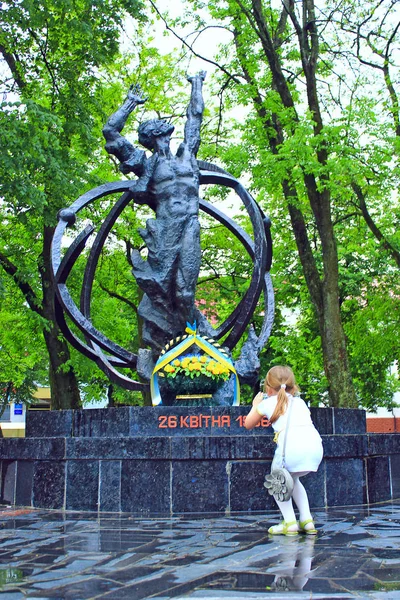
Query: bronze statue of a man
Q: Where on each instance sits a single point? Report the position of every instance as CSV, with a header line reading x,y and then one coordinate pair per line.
x,y
170,184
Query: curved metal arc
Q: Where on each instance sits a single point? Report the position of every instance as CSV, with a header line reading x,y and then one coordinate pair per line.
x,y
207,173
87,291
230,224
93,335
72,255
68,334
122,357
55,251
89,330
127,382
260,261
268,237
95,252
247,242
242,314
106,363
99,192
77,343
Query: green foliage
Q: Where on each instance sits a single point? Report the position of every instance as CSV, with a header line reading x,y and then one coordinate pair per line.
x,y
64,75
56,56
359,140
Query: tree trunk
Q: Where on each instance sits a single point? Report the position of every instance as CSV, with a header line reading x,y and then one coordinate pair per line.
x,y
337,370
324,290
325,298
63,383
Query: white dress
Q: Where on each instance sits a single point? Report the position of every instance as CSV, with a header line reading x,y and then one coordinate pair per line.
x,y
304,445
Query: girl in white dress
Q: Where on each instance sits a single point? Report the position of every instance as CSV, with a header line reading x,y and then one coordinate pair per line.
x,y
303,452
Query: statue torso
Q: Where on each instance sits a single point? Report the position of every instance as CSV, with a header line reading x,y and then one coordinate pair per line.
x,y
174,184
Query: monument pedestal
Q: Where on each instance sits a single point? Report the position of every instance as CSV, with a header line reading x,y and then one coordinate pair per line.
x,y
170,460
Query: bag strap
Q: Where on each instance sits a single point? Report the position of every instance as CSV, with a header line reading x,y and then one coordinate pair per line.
x,y
286,429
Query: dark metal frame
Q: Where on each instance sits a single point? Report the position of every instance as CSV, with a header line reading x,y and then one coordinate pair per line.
x,y
96,342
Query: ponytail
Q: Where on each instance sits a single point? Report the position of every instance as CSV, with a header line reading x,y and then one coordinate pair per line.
x,y
280,379
281,405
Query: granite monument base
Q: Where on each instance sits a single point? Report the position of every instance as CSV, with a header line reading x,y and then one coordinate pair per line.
x,y
172,460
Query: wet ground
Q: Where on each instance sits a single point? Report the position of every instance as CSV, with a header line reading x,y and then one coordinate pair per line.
x,y
79,556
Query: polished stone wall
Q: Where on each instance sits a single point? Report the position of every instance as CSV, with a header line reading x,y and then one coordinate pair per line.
x,y
184,460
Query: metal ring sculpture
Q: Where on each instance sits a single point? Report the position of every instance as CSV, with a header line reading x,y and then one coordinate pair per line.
x,y
110,356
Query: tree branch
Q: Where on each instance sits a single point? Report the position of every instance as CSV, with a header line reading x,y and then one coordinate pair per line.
x,y
25,288
13,66
394,253
44,57
190,48
119,297
299,227
279,79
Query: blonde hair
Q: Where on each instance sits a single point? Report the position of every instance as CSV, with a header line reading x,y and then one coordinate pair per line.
x,y
280,379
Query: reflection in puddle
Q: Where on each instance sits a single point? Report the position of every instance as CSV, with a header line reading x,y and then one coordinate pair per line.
x,y
10,576
290,570
293,569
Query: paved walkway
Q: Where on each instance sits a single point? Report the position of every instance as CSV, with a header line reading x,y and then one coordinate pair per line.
x,y
51,554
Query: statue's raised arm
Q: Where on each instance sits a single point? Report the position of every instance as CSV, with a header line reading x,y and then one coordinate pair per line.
x,y
132,159
194,113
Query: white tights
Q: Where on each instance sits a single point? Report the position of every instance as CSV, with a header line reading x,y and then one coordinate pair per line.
x,y
300,498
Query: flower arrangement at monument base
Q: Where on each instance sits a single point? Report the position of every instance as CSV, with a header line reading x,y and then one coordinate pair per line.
x,y
190,371
192,374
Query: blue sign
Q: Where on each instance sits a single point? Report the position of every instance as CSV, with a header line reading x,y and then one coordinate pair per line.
x,y
18,409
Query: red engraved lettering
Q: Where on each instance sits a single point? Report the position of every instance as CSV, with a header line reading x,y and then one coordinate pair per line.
x,y
215,421
193,421
172,421
184,422
162,422
226,421
206,418
241,420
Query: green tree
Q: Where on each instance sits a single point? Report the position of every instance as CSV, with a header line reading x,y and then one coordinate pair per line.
x,y
318,139
22,358
53,54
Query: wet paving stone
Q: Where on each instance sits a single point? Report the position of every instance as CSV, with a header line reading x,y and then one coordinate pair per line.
x,y
80,556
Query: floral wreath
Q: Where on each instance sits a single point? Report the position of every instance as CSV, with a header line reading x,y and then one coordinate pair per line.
x,y
214,363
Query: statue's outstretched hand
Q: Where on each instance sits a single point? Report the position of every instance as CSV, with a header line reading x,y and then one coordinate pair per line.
x,y
135,93
201,75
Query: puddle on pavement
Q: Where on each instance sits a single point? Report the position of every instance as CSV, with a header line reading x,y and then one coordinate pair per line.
x,y
10,575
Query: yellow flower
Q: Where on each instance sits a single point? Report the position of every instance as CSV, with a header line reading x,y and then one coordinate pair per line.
x,y
195,359
177,363
185,362
192,367
169,369
197,366
209,367
203,359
